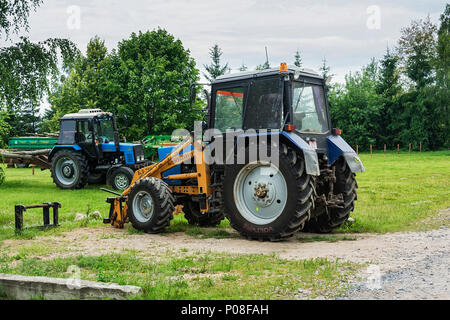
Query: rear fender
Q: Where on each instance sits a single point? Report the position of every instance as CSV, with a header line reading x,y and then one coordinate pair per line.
x,y
296,143
337,147
61,147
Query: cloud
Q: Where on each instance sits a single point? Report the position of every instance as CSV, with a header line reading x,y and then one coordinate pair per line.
x,y
333,29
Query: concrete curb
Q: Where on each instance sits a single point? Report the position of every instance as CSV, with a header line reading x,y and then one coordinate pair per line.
x,y
26,288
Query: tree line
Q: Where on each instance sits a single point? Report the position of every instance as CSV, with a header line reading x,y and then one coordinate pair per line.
x,y
403,98
146,81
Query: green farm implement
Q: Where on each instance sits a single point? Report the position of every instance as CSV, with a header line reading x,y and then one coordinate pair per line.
x,y
153,143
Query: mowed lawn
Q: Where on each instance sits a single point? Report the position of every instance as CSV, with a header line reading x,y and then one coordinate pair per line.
x,y
401,192
396,193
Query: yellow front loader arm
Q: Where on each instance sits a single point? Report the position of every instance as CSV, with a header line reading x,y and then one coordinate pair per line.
x,y
118,215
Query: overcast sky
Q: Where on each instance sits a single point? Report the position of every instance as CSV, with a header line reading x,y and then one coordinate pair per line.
x,y
348,33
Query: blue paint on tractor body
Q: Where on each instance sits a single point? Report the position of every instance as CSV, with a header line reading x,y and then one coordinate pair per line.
x,y
126,148
164,153
73,146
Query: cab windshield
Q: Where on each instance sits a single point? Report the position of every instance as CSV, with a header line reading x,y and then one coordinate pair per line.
x,y
309,108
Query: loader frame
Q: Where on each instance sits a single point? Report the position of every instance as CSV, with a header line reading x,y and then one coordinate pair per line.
x,y
118,215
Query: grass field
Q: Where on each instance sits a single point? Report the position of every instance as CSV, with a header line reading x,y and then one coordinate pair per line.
x,y
397,193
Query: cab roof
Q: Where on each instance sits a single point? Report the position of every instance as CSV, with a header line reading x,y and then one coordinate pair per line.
x,y
291,69
86,114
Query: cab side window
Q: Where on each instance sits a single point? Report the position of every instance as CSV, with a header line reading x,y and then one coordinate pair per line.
x,y
67,133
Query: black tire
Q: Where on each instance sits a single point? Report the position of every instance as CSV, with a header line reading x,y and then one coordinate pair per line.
x,y
163,205
195,217
327,220
295,213
119,177
96,178
79,166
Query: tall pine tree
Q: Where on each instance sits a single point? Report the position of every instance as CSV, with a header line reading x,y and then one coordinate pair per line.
x,y
215,69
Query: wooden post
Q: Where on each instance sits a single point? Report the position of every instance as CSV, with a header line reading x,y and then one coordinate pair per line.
x,y
384,150
410,148
371,149
398,149
421,147
32,169
357,149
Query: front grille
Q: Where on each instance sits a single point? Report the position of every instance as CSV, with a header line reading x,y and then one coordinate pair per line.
x,y
139,153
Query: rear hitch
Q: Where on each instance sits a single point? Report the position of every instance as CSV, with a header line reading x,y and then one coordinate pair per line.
x,y
117,212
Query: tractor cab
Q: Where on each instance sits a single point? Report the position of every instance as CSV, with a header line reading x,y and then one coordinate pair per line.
x,y
92,136
89,129
288,101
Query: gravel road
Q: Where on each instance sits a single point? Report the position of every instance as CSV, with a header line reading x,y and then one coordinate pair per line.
x,y
415,266
403,265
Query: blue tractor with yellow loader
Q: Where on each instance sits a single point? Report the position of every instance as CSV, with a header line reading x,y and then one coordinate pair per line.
x,y
284,168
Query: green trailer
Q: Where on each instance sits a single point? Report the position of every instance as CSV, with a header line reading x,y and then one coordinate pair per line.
x,y
23,151
31,143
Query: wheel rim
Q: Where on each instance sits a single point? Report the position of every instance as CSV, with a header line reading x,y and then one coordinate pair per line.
x,y
143,207
121,181
260,193
66,171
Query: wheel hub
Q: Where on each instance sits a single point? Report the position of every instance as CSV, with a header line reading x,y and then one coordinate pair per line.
x,y
264,194
260,192
68,170
143,206
121,181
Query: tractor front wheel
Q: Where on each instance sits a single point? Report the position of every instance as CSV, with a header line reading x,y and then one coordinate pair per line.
x,y
120,178
150,205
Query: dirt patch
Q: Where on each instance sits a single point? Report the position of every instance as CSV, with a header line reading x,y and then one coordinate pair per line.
x,y
401,259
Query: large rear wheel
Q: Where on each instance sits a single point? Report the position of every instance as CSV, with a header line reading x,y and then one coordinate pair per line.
x,y
70,169
325,220
150,205
264,201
